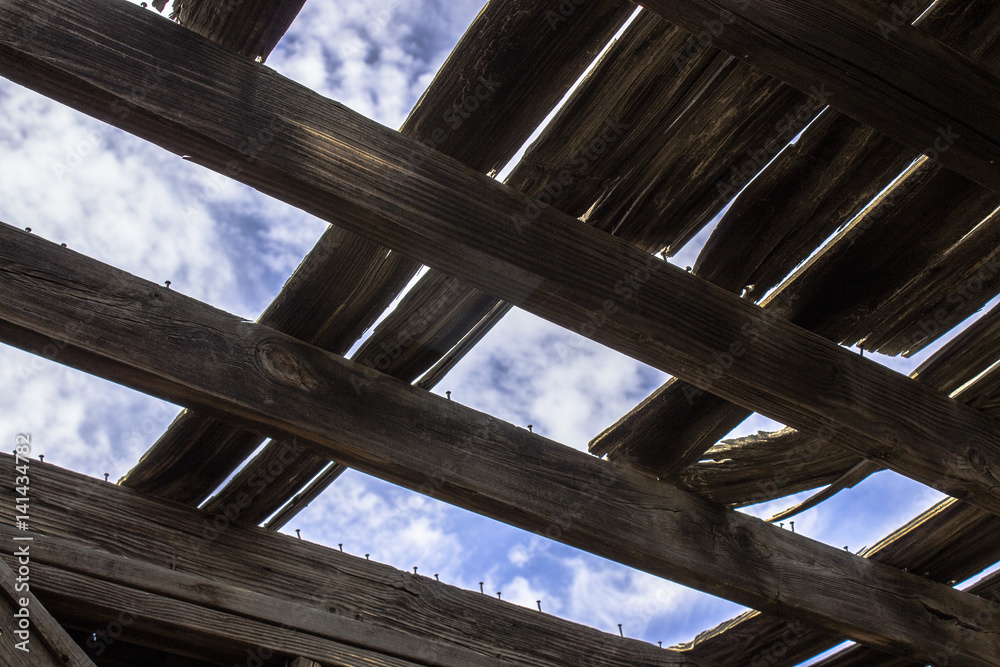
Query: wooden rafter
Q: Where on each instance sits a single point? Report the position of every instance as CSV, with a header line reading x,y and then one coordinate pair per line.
x,y
161,342
346,282
39,641
400,613
321,155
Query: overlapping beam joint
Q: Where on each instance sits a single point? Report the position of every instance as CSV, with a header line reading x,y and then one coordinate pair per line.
x,y
680,324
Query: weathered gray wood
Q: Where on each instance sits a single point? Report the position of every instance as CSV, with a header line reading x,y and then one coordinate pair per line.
x,y
620,113
322,154
159,341
251,29
470,112
43,643
145,529
953,287
948,543
840,45
862,656
199,591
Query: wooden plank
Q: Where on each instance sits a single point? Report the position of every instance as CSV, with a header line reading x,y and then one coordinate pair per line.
x,y
337,294
954,286
29,636
251,29
303,498
622,112
871,262
862,656
322,155
194,589
144,529
948,543
161,342
843,46
757,468
199,631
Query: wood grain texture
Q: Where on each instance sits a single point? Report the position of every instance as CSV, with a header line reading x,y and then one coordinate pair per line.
x,y
144,529
421,201
161,342
44,642
862,656
843,291
840,45
656,95
136,579
251,29
948,543
473,112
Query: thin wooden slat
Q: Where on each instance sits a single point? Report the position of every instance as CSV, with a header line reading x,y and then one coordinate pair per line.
x,y
555,267
308,494
251,29
948,543
955,286
622,110
762,467
484,133
862,656
141,578
144,529
435,446
842,46
30,636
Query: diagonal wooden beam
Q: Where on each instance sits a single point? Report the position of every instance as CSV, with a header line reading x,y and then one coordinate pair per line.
x,y
69,563
205,102
29,636
251,29
328,304
131,331
871,65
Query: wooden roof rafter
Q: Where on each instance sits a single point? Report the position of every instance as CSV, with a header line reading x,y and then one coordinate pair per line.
x,y
273,174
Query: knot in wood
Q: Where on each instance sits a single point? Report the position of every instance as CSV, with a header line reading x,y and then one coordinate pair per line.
x,y
284,366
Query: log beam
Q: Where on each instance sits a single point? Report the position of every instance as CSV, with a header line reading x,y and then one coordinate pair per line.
x,y
104,321
209,104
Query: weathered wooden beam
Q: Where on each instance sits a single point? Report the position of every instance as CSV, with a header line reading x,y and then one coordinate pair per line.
x,y
251,29
948,543
184,539
398,192
161,342
862,656
470,112
875,68
136,578
29,636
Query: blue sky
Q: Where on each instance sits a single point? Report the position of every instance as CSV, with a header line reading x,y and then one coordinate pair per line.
x,y
130,204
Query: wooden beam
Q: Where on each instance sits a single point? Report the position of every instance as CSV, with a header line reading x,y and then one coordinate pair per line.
x,y
161,342
251,29
197,591
346,282
29,636
352,171
188,541
871,65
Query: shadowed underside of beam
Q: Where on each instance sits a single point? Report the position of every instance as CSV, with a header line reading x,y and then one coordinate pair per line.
x,y
323,154
346,282
843,292
435,446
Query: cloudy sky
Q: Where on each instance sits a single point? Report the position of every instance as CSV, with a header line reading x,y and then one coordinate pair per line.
x,y
116,198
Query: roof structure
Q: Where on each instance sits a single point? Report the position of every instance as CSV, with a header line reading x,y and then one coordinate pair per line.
x,y
846,152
